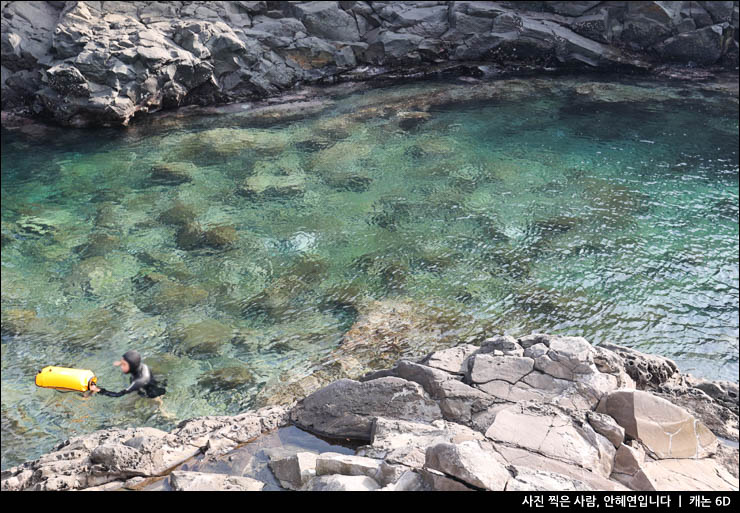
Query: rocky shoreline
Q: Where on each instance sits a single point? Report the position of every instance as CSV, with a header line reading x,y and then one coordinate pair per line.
x,y
103,63
541,412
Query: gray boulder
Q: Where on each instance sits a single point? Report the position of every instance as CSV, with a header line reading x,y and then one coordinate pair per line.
x,y
347,408
628,468
597,26
464,24
606,426
472,462
721,11
293,470
391,46
701,46
325,19
425,20
27,31
647,23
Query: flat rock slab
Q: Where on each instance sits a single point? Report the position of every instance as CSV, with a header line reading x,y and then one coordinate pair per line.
x,y
182,481
451,360
537,462
107,487
338,483
668,431
403,442
553,434
511,369
701,475
528,480
334,463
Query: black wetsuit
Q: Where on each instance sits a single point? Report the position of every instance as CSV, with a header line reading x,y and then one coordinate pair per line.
x,y
142,380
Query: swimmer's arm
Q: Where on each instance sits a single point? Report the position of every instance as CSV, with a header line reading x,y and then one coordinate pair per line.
x,y
108,393
133,387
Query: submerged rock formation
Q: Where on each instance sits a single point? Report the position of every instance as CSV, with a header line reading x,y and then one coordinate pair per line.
x,y
100,63
540,412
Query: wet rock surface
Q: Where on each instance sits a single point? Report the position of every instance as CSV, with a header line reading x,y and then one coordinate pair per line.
x,y
423,428
92,64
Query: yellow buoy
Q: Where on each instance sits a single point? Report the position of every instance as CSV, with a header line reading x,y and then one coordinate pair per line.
x,y
63,378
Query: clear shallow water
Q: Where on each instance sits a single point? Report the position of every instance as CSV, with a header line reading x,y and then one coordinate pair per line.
x,y
606,211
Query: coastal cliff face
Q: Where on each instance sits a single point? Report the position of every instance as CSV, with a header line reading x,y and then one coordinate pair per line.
x,y
540,412
102,63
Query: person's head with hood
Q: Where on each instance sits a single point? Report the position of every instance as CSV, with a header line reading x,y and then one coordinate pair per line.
x,y
129,362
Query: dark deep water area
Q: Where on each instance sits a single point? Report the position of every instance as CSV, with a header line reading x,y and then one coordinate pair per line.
x,y
235,253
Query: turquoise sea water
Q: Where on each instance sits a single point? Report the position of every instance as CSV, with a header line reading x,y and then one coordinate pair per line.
x,y
563,205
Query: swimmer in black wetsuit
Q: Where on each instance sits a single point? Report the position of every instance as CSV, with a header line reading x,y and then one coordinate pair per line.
x,y
142,380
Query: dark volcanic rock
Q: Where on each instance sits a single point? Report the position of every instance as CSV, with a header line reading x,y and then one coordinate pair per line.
x,y
702,46
93,64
